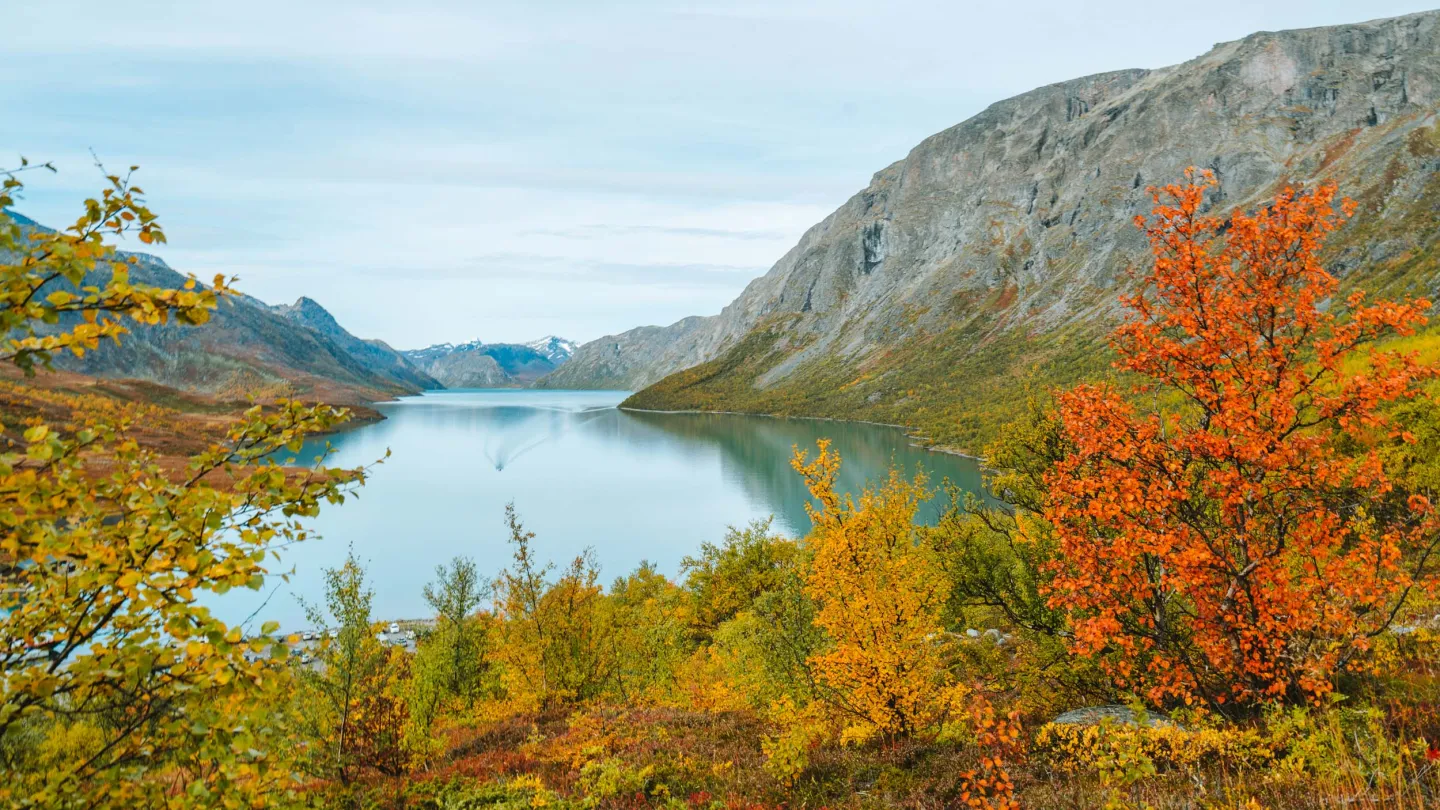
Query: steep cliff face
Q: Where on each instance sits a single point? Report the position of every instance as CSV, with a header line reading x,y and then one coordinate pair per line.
x,y
1000,243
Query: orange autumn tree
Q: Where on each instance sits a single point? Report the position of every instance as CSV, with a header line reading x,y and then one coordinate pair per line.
x,y
1223,548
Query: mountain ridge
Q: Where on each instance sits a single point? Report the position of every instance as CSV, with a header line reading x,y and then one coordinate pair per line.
x,y
248,348
377,354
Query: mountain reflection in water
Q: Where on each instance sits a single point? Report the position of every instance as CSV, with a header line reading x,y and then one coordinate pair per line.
x,y
756,452
634,486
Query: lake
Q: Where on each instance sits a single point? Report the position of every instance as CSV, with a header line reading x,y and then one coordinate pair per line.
x,y
582,473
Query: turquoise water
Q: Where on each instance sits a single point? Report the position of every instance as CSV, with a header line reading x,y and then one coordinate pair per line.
x,y
581,473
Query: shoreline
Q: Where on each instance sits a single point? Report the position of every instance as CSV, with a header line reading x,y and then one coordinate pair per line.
x,y
910,433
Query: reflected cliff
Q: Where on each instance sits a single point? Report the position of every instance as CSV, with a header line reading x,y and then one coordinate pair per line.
x,y
755,454
634,486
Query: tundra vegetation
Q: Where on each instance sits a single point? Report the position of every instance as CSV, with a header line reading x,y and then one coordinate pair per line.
x,y
1228,540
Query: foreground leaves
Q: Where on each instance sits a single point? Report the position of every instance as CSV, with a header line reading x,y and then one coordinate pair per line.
x,y
118,687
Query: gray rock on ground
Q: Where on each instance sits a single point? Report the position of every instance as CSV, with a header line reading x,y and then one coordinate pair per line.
x,y
1117,715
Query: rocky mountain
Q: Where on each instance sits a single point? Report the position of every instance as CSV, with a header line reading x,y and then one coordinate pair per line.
x,y
376,354
491,365
248,347
993,252
557,349
461,366
630,360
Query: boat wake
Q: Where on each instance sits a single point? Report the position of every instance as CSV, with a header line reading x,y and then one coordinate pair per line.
x,y
513,445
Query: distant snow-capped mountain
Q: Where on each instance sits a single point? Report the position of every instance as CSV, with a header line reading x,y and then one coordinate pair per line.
x,y
478,364
558,349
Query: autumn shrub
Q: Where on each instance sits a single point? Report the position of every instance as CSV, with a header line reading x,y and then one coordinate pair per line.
x,y
1333,756
519,793
352,713
1345,747
706,681
997,555
727,578
799,729
767,653
752,621
1224,546
381,720
556,638
649,617
1122,753
996,552
459,643
1412,456
452,668
878,594
1000,745
612,778
39,745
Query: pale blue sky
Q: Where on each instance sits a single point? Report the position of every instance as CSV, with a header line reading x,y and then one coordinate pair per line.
x,y
443,171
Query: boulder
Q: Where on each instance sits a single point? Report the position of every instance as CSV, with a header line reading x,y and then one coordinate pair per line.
x,y
1115,713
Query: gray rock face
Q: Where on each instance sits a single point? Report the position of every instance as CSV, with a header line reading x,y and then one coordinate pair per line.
x,y
469,369
1114,714
1021,217
631,360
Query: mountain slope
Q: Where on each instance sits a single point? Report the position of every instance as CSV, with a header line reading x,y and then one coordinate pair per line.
x,y
375,354
993,252
463,366
246,348
627,361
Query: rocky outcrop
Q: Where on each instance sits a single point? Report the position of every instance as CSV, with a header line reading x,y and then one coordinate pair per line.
x,y
1016,224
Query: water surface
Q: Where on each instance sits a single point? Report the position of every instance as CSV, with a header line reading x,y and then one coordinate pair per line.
x,y
581,473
